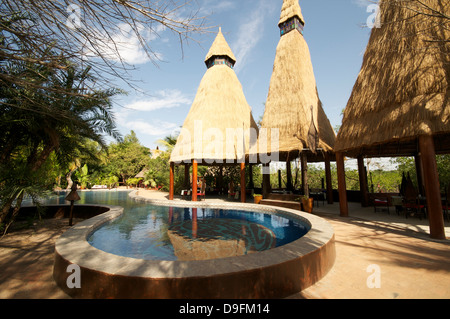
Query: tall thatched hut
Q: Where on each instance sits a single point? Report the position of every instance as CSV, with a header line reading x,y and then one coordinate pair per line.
x,y
219,128
400,105
293,106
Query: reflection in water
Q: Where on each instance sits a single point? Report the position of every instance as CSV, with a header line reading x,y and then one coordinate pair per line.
x,y
174,233
218,238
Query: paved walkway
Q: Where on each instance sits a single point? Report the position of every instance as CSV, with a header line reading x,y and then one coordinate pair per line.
x,y
395,250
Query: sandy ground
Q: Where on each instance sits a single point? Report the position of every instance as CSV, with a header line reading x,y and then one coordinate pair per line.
x,y
373,260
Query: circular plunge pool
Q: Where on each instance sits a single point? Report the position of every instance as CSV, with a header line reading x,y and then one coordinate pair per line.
x,y
203,250
183,233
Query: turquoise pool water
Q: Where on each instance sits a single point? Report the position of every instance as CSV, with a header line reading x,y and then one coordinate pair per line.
x,y
152,232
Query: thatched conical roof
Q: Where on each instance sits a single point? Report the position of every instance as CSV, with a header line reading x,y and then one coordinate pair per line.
x,y
220,47
293,105
402,90
212,130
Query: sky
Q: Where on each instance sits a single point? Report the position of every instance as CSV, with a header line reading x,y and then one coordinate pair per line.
x,y
334,31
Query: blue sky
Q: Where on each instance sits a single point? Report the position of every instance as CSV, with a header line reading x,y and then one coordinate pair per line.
x,y
334,32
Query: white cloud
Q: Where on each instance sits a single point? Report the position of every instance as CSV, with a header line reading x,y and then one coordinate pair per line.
x,y
124,45
157,128
250,33
165,99
132,115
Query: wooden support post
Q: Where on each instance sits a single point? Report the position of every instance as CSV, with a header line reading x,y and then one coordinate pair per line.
x,y
194,180
289,185
171,180
304,161
279,179
432,188
363,182
343,204
266,180
243,183
71,213
328,179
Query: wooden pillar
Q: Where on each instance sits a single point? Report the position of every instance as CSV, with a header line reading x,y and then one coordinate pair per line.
x,y
432,188
419,173
279,179
194,180
289,185
304,161
343,204
363,182
328,179
171,181
266,180
243,182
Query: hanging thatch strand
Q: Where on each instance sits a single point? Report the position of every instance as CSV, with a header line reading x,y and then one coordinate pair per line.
x,y
402,90
293,105
212,131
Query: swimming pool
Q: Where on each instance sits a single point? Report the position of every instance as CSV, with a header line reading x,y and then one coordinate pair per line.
x,y
182,233
265,268
151,232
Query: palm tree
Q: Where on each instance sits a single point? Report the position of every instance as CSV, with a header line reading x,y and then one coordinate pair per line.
x,y
169,142
55,116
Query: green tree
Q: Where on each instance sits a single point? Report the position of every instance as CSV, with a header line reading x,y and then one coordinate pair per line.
x,y
126,159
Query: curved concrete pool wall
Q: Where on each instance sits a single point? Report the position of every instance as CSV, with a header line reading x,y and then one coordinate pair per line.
x,y
275,273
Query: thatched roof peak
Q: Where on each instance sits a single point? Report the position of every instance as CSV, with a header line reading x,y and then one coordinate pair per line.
x,y
220,47
290,9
